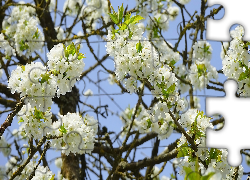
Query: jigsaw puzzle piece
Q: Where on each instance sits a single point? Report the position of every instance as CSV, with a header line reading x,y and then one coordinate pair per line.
x,y
218,29
233,110
77,134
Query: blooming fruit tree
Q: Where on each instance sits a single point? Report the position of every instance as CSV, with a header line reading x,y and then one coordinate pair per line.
x,y
144,63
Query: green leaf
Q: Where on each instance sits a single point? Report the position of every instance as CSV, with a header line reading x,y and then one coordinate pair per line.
x,y
113,11
172,63
130,34
38,114
196,165
7,57
123,26
80,56
214,154
155,31
54,72
45,78
139,47
23,67
71,49
127,17
23,45
137,12
201,69
120,13
172,176
53,177
134,19
114,18
130,20
63,130
184,150
21,120
206,48
158,20
36,35
246,44
25,22
78,49
207,177
243,75
167,92
113,33
194,127
149,123
190,174
171,89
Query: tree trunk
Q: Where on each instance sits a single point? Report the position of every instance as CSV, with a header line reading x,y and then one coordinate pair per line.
x,y
70,164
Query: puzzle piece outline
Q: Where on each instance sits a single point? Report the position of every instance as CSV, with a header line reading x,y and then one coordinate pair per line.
x,y
227,122
218,29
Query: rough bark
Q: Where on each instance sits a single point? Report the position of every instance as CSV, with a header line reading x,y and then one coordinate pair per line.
x,y
46,22
68,102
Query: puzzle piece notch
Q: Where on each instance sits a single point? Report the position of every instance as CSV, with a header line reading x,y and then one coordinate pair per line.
x,y
235,112
218,29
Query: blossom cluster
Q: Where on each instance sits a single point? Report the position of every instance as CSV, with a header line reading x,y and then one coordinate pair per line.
x,y
195,123
201,70
33,122
137,57
235,61
75,134
66,65
21,34
41,83
30,80
157,119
